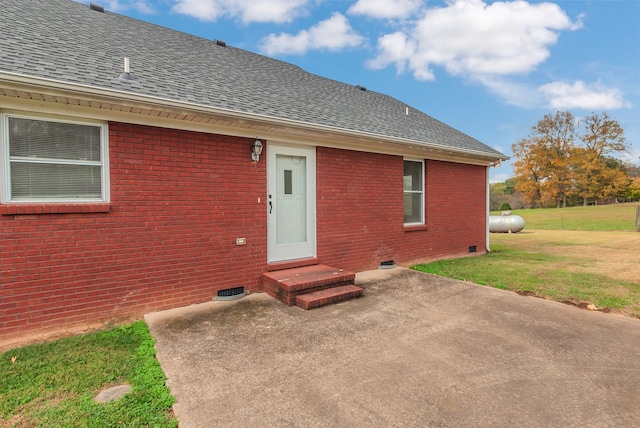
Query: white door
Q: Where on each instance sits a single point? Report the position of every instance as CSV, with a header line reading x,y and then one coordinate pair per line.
x,y
291,203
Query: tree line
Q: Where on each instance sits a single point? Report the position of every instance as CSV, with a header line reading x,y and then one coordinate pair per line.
x,y
569,161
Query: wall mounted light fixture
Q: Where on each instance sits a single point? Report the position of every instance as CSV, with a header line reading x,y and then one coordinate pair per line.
x,y
256,150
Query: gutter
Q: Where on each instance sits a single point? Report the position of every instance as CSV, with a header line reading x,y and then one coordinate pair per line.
x,y
488,206
112,94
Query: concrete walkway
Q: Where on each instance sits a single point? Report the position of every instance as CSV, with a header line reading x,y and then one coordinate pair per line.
x,y
415,351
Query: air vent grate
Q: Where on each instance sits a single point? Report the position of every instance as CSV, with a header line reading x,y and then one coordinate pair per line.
x,y
231,293
387,264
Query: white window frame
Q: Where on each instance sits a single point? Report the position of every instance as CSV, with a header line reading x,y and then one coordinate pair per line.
x,y
412,192
5,160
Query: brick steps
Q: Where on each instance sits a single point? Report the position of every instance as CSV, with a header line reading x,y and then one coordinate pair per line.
x,y
328,296
320,283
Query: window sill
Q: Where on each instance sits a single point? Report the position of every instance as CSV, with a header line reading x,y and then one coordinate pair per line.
x,y
45,208
415,227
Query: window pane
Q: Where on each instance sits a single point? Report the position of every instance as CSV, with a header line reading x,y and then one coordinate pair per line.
x,y
35,180
288,182
413,207
53,140
413,176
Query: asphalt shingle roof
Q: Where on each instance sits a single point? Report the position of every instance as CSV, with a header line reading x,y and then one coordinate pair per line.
x,y
67,41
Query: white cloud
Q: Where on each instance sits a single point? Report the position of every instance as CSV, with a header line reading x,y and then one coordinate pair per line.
x,y
385,9
472,38
562,95
247,10
398,48
515,93
206,10
144,7
332,34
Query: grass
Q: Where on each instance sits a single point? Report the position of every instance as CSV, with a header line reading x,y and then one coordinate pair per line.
x,y
53,384
561,269
619,217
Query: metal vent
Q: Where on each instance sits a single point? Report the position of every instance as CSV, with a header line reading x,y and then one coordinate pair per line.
x,y
231,293
472,249
362,88
387,264
96,7
220,43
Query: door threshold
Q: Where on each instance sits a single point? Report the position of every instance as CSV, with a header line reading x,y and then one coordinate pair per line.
x,y
290,264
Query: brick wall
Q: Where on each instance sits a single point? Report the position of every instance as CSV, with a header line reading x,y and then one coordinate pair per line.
x,y
360,210
179,200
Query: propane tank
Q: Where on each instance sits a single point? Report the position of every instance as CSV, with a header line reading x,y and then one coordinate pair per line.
x,y
505,223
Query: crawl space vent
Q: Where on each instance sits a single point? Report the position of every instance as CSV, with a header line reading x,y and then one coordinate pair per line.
x,y
472,249
231,293
387,264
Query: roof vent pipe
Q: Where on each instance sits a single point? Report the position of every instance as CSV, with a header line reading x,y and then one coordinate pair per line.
x,y
220,43
96,7
126,75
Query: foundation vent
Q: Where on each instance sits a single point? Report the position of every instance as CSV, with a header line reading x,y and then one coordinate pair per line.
x,y
231,293
387,264
472,249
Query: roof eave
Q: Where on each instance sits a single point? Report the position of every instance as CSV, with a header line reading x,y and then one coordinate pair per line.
x,y
20,82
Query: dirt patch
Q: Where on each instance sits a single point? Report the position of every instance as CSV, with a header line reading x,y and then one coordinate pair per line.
x,y
587,306
528,293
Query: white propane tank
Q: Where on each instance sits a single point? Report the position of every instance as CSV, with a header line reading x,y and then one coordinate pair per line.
x,y
505,223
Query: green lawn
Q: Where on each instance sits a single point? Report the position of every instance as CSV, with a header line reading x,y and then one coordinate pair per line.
x,y
53,384
605,217
547,268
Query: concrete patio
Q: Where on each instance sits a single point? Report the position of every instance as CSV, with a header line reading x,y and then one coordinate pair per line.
x,y
416,350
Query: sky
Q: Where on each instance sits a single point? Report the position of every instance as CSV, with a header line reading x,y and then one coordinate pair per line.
x,y
491,69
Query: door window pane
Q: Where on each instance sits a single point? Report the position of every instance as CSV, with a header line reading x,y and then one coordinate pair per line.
x,y
288,182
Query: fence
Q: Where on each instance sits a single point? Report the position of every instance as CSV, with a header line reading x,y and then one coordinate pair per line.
x,y
620,217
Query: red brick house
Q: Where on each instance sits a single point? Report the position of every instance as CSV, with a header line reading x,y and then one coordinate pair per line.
x,y
124,191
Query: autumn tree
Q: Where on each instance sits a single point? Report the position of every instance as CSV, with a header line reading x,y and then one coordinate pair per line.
x,y
602,135
563,157
634,189
529,168
597,173
542,167
598,177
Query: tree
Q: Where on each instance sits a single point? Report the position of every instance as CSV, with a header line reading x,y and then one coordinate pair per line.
x,y
510,185
505,206
550,166
602,135
529,171
598,177
542,169
501,194
597,173
634,189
